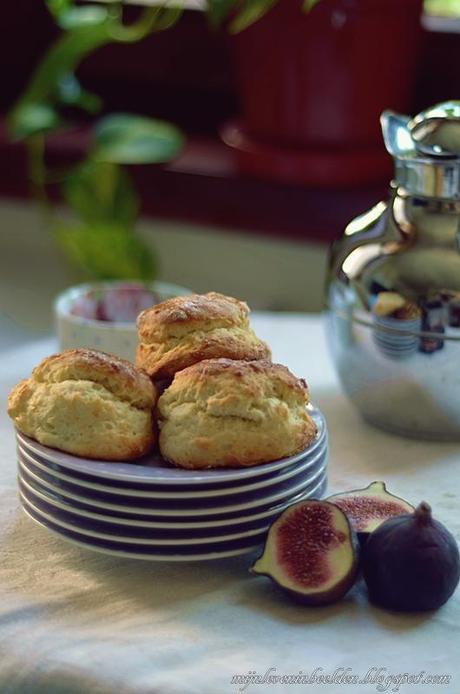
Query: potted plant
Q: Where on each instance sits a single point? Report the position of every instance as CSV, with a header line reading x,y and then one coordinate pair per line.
x,y
98,236
312,86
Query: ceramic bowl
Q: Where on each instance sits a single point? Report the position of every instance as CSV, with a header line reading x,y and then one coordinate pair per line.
x,y
102,315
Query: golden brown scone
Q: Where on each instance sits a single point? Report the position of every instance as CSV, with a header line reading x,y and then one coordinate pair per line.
x,y
225,413
187,329
88,403
387,303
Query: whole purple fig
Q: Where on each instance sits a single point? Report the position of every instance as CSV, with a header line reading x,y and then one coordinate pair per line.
x,y
411,562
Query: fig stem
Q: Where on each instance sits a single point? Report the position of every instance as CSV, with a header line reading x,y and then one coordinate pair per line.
x,y
423,512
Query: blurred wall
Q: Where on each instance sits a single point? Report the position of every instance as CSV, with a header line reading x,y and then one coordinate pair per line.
x,y
271,274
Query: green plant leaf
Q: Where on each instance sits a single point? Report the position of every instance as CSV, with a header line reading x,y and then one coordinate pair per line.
x,y
69,92
60,61
309,4
57,7
105,251
167,17
101,193
250,12
77,17
152,19
86,29
68,16
34,118
128,139
218,11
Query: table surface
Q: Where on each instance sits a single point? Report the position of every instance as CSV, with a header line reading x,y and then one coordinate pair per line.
x,y
76,621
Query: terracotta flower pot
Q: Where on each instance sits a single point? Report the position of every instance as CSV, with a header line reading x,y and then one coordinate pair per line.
x,y
319,81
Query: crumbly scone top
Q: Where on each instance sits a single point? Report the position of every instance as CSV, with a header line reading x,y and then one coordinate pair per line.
x,y
119,376
254,378
186,313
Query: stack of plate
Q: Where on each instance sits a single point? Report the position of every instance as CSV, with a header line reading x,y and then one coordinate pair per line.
x,y
396,337
156,511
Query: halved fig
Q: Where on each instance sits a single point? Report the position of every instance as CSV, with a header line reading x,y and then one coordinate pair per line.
x,y
311,553
368,508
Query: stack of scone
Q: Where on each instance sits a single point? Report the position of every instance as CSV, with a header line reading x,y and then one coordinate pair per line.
x,y
187,329
223,403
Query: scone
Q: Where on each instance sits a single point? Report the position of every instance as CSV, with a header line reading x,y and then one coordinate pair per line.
x,y
187,329
225,413
88,403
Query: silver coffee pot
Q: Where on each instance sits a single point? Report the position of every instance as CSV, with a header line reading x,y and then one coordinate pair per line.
x,y
394,285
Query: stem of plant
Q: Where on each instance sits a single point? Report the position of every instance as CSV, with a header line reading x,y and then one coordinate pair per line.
x,y
35,146
137,31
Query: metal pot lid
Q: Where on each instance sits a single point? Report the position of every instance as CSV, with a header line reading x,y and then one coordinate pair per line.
x,y
426,150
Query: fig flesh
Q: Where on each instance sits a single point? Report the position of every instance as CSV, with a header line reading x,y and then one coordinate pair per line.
x,y
368,508
411,562
311,553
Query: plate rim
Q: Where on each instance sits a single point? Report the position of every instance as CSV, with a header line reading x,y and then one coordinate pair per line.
x,y
213,511
141,541
147,557
183,476
193,525
159,494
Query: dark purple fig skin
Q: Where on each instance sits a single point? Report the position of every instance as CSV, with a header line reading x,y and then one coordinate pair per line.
x,y
411,562
377,494
336,592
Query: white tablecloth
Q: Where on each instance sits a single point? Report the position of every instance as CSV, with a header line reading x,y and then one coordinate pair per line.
x,y
76,621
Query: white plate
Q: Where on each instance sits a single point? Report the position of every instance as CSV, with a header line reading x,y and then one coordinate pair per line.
x,y
118,551
152,542
168,525
154,470
157,493
150,510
